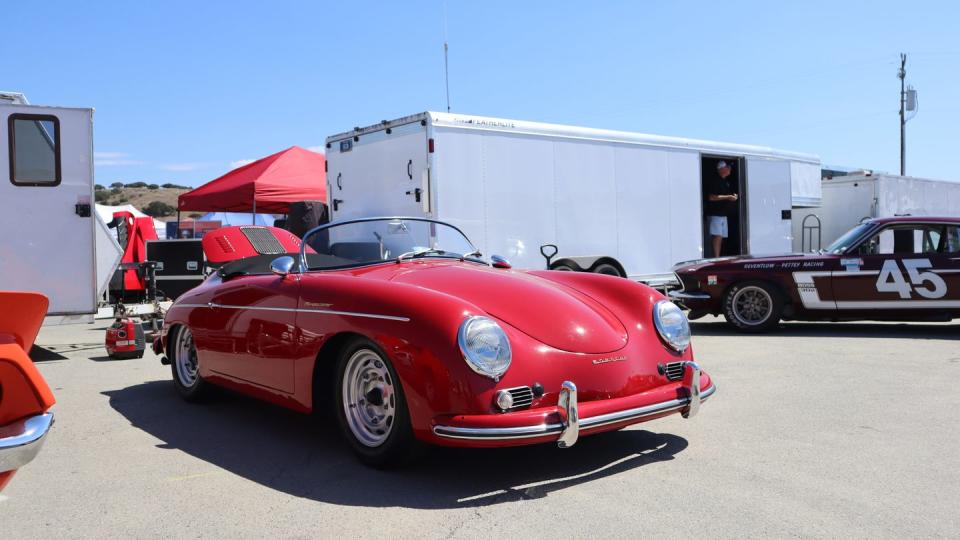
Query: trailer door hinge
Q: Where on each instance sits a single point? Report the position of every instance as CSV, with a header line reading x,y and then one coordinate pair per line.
x,y
82,209
336,204
416,194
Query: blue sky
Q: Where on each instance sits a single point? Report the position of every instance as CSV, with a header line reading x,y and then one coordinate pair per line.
x,y
184,89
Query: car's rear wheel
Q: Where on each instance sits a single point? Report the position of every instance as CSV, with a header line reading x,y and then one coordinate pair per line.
x,y
753,306
185,365
370,406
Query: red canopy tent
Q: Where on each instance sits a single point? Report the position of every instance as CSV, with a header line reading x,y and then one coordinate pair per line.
x,y
267,185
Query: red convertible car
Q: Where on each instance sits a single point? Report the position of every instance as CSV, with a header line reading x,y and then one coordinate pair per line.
x,y
899,268
400,328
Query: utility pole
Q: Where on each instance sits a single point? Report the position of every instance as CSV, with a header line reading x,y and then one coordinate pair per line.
x,y
446,62
903,123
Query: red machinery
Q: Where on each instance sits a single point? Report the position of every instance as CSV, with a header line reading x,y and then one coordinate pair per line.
x,y
125,339
132,235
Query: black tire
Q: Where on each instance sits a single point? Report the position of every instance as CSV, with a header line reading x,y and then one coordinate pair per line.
x,y
753,306
607,269
378,427
192,389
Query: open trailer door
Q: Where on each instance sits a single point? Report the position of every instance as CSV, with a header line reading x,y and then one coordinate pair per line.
x,y
769,205
46,191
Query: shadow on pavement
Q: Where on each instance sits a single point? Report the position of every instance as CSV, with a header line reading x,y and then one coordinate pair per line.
x,y
41,354
305,456
837,330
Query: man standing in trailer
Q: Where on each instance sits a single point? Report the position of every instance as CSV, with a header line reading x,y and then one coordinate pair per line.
x,y
720,204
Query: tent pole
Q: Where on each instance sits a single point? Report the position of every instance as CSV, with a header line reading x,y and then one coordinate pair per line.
x,y
178,224
254,216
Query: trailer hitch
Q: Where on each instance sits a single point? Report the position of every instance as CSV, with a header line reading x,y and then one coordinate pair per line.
x,y
545,250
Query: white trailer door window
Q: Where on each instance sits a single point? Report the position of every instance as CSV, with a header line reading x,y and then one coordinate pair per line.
x,y
769,201
381,174
46,207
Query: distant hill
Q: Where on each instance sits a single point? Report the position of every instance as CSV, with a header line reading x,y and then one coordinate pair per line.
x,y
141,197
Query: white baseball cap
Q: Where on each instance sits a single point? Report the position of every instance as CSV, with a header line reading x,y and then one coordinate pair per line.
x,y
721,165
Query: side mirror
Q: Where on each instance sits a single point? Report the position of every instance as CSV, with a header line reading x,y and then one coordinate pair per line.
x,y
281,266
499,262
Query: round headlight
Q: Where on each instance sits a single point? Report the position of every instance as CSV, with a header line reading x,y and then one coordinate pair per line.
x,y
672,325
485,346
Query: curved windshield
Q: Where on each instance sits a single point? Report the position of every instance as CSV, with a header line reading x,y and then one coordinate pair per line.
x,y
368,241
844,242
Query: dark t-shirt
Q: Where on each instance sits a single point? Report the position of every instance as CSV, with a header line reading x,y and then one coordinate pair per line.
x,y
720,186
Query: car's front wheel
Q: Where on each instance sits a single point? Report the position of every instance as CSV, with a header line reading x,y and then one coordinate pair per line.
x,y
185,365
370,406
753,306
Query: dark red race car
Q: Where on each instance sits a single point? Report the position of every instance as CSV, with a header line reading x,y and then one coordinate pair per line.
x,y
407,335
900,268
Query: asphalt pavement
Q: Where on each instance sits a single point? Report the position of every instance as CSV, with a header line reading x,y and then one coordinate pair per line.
x,y
816,430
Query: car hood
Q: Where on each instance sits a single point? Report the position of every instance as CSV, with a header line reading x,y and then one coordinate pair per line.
x,y
546,311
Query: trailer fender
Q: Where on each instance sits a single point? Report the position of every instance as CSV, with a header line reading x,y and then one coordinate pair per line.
x,y
600,264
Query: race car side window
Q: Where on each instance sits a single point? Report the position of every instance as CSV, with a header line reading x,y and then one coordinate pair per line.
x,y
913,239
950,241
34,145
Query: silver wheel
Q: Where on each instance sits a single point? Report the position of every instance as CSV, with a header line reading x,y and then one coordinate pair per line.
x,y
369,400
186,358
752,305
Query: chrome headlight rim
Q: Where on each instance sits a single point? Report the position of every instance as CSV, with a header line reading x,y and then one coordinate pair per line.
x,y
468,355
679,342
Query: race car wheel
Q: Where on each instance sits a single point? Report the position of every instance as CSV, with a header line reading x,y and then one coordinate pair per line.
x,y
753,306
185,365
371,408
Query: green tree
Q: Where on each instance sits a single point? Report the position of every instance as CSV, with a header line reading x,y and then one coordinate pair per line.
x,y
98,187
101,196
159,209
153,186
116,185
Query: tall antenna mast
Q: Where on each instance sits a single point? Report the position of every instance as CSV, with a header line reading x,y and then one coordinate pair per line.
x,y
902,74
446,60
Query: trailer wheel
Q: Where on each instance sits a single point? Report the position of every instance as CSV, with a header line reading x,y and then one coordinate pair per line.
x,y
564,266
606,269
753,306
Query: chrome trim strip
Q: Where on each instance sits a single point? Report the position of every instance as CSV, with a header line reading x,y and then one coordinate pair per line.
x,y
211,305
540,430
21,440
681,295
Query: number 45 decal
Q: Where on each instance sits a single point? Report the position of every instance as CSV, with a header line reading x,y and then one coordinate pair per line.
x,y
891,279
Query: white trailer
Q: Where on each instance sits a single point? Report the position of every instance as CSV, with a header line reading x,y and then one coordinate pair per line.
x,y
46,206
848,200
607,199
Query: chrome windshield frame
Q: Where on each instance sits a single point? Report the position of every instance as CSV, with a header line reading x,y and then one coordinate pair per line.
x,y
301,260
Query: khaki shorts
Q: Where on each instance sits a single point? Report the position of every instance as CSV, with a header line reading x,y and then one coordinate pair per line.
x,y
718,225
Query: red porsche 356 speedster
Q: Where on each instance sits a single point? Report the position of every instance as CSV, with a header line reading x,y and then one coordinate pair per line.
x,y
402,328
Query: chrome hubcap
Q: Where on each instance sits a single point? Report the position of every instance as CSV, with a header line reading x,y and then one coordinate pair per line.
x,y
752,305
369,401
186,361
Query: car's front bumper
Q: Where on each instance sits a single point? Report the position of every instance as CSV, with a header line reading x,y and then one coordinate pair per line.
x,y
565,422
21,440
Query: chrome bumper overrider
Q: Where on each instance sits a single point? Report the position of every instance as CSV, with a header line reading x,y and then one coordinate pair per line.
x,y
570,422
21,440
